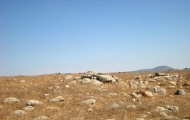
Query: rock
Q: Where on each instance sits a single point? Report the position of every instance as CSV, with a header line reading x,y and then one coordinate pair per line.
x,y
173,109
72,83
160,74
149,76
11,100
137,77
22,81
173,82
41,118
171,87
145,82
87,76
19,112
148,93
57,99
163,114
50,88
162,91
151,80
90,110
114,105
67,86
135,95
116,78
131,106
112,94
46,95
68,77
33,102
86,81
77,78
168,77
91,73
140,119
180,92
96,82
170,118
106,78
28,108
160,109
153,89
89,102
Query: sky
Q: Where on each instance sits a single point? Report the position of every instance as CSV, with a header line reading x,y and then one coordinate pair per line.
x,y
49,36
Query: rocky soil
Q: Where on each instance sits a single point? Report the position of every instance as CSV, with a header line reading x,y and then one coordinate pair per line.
x,y
96,96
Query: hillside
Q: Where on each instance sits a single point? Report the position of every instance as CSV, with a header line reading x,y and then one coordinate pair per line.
x,y
156,69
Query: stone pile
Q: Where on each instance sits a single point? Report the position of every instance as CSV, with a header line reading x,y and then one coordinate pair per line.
x,y
92,78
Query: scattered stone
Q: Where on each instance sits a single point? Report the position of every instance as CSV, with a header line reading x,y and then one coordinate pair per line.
x,y
162,91
135,95
160,109
87,76
170,118
160,74
163,114
11,100
91,72
41,118
180,92
149,76
151,80
50,88
68,77
173,109
131,106
171,87
137,77
106,78
153,89
33,102
72,83
86,81
22,81
112,94
57,99
148,93
90,110
46,95
28,108
140,119
96,82
173,82
67,86
77,78
19,112
114,105
89,102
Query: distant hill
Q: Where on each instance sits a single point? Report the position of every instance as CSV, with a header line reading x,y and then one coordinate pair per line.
x,y
156,69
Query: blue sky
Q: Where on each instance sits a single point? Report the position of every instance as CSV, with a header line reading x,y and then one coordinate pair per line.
x,y
48,36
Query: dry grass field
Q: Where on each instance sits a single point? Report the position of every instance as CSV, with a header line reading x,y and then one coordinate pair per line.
x,y
113,101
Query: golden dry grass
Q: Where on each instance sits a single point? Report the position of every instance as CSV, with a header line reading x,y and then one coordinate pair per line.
x,y
71,108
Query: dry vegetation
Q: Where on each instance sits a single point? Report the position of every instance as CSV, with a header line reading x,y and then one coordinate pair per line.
x,y
71,108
